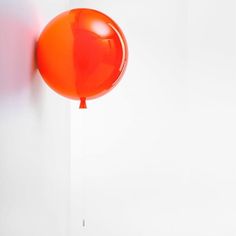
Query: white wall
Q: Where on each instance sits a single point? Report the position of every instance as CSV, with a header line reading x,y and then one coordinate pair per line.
x,y
156,156
34,128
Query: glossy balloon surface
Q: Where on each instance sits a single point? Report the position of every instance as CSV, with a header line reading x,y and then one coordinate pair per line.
x,y
82,54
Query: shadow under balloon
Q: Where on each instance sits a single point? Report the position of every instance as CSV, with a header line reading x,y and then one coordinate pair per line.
x,y
18,33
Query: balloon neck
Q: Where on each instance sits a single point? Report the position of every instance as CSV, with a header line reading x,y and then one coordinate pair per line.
x,y
83,104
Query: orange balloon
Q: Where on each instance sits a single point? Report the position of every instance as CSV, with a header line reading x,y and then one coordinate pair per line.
x,y
82,54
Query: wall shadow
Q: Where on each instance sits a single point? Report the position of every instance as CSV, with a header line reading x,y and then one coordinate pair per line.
x,y
18,33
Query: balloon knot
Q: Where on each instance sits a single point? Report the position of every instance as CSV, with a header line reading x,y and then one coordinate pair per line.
x,y
83,104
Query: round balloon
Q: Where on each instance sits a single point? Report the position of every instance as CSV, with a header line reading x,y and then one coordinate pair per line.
x,y
82,54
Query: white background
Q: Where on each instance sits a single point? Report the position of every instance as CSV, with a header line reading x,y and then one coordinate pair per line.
x,y
34,129
157,155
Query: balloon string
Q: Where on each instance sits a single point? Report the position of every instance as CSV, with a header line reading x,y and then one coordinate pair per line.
x,y
83,104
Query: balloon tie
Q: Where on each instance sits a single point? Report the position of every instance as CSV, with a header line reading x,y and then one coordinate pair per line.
x,y
83,104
